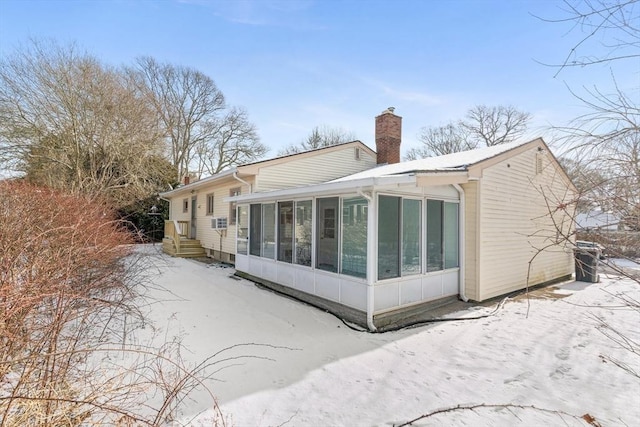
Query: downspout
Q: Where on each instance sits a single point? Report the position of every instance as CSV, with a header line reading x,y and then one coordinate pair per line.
x,y
370,265
237,178
462,239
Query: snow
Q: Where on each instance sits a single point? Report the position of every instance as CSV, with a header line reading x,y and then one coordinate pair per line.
x,y
548,351
625,263
448,162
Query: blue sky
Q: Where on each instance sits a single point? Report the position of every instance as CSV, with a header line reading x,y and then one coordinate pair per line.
x,y
295,64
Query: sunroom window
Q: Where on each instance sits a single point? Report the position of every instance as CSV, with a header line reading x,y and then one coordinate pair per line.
x,y
269,230
243,230
442,235
388,237
354,237
303,231
285,231
255,230
399,237
411,236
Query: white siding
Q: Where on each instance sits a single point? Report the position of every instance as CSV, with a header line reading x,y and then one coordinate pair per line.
x,y
313,169
515,224
349,291
175,212
218,240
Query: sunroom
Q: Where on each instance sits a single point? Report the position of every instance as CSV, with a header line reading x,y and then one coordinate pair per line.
x,y
363,249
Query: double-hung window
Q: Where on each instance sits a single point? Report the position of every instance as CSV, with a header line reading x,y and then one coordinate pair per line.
x,y
210,204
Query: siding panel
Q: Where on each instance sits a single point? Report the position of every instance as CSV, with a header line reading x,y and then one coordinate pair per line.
x,y
471,232
312,170
516,223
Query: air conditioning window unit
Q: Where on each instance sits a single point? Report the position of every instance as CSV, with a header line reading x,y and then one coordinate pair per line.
x,y
219,223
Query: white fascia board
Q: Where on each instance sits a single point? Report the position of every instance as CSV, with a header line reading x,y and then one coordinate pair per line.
x,y
200,183
327,188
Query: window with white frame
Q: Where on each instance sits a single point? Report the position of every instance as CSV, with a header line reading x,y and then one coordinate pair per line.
x,y
232,205
400,236
242,230
185,205
442,235
303,233
268,231
354,238
327,233
285,231
210,204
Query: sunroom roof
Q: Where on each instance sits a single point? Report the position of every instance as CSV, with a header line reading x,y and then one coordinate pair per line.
x,y
448,162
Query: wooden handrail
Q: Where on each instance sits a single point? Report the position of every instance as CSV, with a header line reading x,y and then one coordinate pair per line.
x,y
176,230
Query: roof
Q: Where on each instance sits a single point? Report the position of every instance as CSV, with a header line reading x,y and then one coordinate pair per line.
x,y
250,168
405,173
449,162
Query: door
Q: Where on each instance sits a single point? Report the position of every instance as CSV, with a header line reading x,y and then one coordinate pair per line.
x,y
193,217
327,253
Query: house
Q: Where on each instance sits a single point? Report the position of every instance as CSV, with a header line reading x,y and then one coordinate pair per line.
x,y
385,243
202,223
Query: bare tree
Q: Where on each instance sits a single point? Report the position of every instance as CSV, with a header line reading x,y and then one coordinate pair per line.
x,y
69,122
71,293
191,111
437,141
606,138
482,126
235,141
495,125
615,20
320,136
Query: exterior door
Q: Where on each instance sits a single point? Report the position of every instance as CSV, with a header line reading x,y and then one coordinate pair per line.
x,y
327,252
194,199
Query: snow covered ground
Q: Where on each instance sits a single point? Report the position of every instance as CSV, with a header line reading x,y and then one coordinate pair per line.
x,y
547,357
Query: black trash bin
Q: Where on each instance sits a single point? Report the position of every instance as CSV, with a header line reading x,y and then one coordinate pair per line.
x,y
587,264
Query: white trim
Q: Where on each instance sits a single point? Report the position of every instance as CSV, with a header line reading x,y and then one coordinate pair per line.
x,y
329,188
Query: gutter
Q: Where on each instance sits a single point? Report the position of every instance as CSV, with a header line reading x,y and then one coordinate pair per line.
x,y
461,243
370,265
331,187
237,178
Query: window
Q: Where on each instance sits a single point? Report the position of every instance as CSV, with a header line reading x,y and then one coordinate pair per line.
x,y
209,204
388,237
327,240
185,205
434,235
354,238
285,231
242,230
411,236
451,238
232,205
303,233
255,229
399,237
269,231
442,235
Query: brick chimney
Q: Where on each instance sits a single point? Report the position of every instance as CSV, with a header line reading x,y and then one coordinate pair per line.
x,y
388,136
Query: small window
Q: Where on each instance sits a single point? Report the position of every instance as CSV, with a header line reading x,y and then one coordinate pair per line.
x,y
232,206
185,205
209,204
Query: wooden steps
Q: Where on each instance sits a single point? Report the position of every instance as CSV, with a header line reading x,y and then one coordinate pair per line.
x,y
189,248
